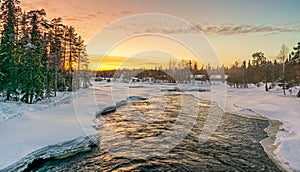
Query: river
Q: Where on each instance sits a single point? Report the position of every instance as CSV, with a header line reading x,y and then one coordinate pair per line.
x,y
140,137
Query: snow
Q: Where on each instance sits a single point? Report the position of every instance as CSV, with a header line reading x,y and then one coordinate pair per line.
x,y
10,110
68,122
36,127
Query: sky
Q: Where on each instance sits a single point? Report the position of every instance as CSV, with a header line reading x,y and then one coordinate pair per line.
x,y
233,29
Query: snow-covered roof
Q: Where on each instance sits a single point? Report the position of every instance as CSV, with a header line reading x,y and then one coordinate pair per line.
x,y
217,77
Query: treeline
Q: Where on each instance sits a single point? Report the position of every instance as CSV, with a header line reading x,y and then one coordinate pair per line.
x,y
285,69
38,57
180,71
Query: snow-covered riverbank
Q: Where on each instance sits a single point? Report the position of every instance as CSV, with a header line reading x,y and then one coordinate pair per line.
x,y
35,130
65,124
24,137
274,105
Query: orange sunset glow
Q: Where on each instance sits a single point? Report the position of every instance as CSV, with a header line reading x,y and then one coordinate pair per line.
x,y
149,85
234,34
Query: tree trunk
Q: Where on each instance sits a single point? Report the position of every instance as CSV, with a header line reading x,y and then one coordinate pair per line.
x,y
267,89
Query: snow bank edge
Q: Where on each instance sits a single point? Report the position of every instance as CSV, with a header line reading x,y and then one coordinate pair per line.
x,y
53,151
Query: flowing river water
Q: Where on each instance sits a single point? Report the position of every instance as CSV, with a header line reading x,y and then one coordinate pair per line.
x,y
234,146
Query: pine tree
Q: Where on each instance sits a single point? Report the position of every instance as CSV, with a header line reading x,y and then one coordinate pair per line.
x,y
70,57
55,57
33,85
245,75
259,65
8,56
293,66
83,68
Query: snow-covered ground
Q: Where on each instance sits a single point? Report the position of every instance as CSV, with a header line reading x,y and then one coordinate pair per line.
x,y
62,124
10,110
42,125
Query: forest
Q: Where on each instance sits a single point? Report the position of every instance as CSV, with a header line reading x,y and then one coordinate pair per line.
x,y
38,57
284,69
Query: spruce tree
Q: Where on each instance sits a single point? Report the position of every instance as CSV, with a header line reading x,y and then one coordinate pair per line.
x,y
8,56
293,66
33,55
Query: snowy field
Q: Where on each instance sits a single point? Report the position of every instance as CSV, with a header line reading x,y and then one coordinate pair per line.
x,y
56,126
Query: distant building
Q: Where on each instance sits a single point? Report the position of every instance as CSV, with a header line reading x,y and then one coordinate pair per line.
x,y
197,77
218,77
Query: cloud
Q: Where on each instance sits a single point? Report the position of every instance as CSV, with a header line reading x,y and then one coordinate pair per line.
x,y
81,17
35,4
122,13
92,15
71,19
99,12
38,4
140,25
126,12
248,29
173,27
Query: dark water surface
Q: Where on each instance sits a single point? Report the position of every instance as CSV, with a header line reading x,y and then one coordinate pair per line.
x,y
134,145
